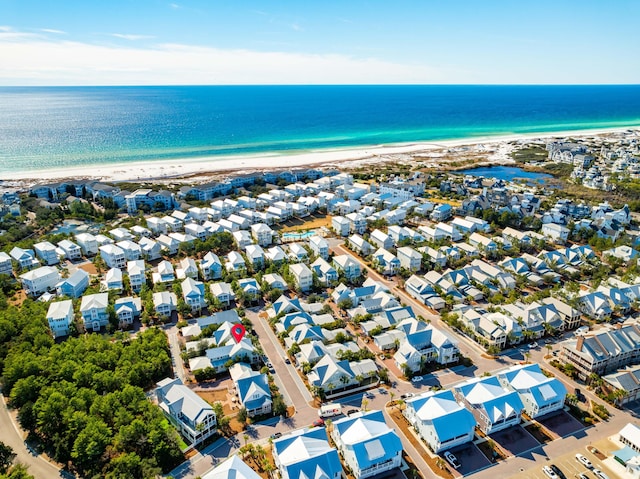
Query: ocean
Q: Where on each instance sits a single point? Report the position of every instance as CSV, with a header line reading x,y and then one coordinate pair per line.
x,y
57,127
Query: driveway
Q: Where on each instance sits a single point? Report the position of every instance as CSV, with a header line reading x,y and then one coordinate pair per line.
x,y
561,424
470,457
515,440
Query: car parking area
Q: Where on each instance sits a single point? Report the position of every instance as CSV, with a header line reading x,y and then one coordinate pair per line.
x,y
561,424
470,458
515,440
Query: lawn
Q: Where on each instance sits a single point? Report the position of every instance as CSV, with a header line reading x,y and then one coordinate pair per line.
x,y
167,425
311,222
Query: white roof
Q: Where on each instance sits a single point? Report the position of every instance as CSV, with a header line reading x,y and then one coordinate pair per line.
x,y
60,309
232,468
631,432
363,429
301,448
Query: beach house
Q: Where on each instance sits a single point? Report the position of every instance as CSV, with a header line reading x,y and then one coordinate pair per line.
x,y
60,318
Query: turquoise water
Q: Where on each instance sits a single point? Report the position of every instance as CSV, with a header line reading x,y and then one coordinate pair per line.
x,y
297,236
506,173
56,127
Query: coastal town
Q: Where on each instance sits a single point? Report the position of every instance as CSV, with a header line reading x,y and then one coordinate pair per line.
x,y
400,319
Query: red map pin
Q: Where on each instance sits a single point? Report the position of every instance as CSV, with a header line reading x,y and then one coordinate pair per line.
x,y
238,332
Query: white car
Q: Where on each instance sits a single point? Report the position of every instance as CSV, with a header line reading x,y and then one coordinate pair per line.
x,y
451,459
586,462
549,472
416,379
600,474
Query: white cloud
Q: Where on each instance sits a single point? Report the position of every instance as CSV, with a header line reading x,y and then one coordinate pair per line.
x,y
37,61
132,37
53,30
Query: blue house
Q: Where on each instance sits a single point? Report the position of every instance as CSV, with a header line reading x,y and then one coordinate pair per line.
x,y
74,285
368,446
254,394
306,454
440,420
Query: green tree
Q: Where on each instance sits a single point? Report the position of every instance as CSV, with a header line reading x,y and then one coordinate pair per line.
x,y
6,457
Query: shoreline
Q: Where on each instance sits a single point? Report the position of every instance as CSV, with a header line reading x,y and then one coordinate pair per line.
x,y
197,170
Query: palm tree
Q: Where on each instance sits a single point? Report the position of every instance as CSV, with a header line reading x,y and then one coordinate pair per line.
x,y
365,403
330,387
391,396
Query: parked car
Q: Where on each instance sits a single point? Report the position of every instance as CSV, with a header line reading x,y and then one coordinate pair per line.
x,y
276,435
416,379
351,411
586,462
318,422
533,345
451,459
406,395
549,472
599,474
558,472
382,390
582,475
287,360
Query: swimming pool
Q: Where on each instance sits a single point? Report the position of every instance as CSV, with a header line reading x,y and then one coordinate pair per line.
x,y
297,236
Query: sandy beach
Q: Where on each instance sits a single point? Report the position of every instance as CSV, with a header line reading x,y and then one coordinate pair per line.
x,y
194,170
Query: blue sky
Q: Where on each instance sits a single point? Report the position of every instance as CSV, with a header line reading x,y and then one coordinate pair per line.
x,y
130,42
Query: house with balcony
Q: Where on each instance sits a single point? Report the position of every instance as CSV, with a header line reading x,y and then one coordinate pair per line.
x,y
253,391
341,225
25,258
193,416
440,420
164,273
74,285
386,262
113,256
409,258
235,264
325,273
137,275
132,251
347,265
368,446
187,268
603,352
6,267
47,253
302,275
319,246
250,288
71,251
88,244
262,233
93,309
305,453
165,303
494,407
211,267
193,294
40,280
540,395
150,249
60,318
223,292
112,281
127,310
255,256
358,244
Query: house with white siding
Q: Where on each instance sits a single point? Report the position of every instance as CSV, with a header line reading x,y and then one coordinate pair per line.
x,y
93,309
60,318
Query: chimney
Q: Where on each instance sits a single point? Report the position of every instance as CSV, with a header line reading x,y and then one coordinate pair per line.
x,y
579,343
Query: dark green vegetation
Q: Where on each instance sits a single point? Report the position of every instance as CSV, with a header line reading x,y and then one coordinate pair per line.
x,y
9,469
84,399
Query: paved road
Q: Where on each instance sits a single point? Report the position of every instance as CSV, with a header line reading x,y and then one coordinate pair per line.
x,y
11,436
176,358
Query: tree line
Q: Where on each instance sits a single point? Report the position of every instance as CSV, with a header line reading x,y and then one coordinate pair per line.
x,y
84,399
